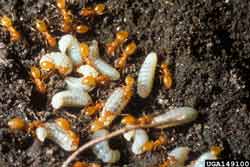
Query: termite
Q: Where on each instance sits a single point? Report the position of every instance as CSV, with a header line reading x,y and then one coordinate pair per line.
x,y
178,116
98,63
92,109
75,83
8,24
56,61
70,46
167,76
37,79
87,70
67,16
42,28
17,123
176,157
102,150
154,145
128,51
85,164
114,105
60,132
131,120
121,37
96,10
93,81
146,75
70,98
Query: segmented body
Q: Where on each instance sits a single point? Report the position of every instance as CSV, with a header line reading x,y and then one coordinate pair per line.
x,y
146,75
70,46
76,83
57,134
180,155
87,70
200,162
100,64
70,98
181,115
60,61
102,149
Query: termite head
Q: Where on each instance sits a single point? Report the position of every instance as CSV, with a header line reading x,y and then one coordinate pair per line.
x,y
130,48
96,125
47,65
35,72
129,81
102,79
41,26
216,150
99,9
89,80
17,124
84,51
145,119
129,120
81,29
6,22
63,123
75,138
122,36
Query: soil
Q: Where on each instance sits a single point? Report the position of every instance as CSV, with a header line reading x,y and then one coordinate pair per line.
x,y
206,43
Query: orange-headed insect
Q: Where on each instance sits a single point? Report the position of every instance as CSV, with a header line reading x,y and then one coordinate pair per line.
x,y
17,124
37,79
167,76
85,53
121,37
8,24
92,109
131,120
63,123
93,81
67,16
81,29
128,88
96,10
128,51
43,28
85,164
154,145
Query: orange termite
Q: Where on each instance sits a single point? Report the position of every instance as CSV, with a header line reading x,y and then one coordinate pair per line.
x,y
128,51
42,27
8,24
63,123
37,79
121,37
167,76
154,145
128,88
17,124
81,29
67,16
131,120
96,10
85,53
92,109
93,81
168,162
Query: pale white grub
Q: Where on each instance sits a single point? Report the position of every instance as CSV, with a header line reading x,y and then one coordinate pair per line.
x,y
180,155
60,61
57,134
76,83
100,64
146,75
129,135
70,98
115,103
70,46
181,115
140,138
103,151
87,70
200,162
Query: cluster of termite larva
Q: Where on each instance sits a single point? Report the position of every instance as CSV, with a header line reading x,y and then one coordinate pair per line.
x,y
84,60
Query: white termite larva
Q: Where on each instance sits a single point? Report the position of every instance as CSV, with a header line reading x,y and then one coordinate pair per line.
x,y
60,61
181,115
115,103
200,162
70,98
146,75
100,64
103,151
76,83
87,70
57,134
70,46
180,155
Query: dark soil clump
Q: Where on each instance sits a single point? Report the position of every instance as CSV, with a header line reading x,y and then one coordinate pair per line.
x,y
206,43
